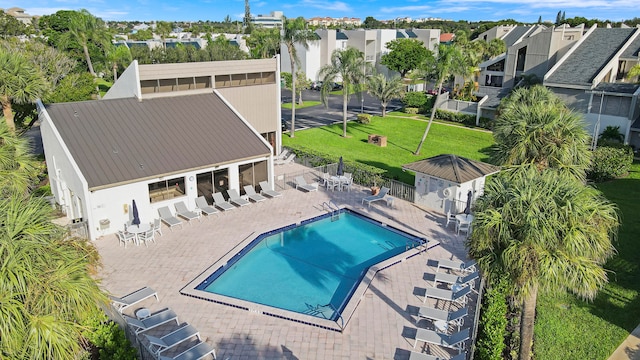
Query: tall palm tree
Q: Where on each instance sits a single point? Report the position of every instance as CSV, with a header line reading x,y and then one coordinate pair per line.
x,y
448,61
385,90
163,28
545,233
350,67
535,128
295,32
84,29
118,56
18,168
20,82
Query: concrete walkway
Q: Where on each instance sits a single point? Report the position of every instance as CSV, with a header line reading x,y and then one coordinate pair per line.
x,y
630,348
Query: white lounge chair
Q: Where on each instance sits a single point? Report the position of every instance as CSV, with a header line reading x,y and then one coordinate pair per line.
x,y
453,341
218,200
288,160
455,279
161,317
158,344
302,184
122,303
167,217
235,198
183,212
203,205
463,266
458,296
251,193
197,352
266,189
380,196
283,154
452,318
422,356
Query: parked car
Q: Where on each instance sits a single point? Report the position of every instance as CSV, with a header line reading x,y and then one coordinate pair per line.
x,y
336,86
316,85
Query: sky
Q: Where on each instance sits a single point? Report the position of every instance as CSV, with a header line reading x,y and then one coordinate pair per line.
x,y
217,10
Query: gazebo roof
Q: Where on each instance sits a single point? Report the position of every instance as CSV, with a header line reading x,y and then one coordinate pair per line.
x,y
452,168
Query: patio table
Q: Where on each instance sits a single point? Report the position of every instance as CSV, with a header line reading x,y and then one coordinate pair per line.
x,y
138,229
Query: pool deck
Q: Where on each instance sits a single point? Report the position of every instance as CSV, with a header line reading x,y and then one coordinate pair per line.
x,y
377,326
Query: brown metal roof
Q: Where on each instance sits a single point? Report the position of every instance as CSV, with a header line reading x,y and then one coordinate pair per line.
x,y
452,168
124,140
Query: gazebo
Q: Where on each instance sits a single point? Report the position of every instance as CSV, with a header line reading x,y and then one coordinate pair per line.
x,y
444,181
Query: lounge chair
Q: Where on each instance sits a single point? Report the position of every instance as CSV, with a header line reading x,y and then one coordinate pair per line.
x,y
455,279
197,352
167,217
122,303
203,205
302,183
235,198
380,196
452,318
283,154
183,212
219,201
161,317
266,189
156,345
459,295
422,356
251,193
463,266
453,341
288,160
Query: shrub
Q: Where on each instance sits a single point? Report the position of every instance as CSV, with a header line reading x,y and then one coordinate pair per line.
x,y
108,338
611,134
43,191
411,110
493,323
414,99
364,118
610,162
462,118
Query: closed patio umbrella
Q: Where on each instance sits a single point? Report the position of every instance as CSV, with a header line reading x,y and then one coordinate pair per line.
x,y
467,210
134,211
340,170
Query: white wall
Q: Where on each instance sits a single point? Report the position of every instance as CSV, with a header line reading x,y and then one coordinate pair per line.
x,y
128,84
443,196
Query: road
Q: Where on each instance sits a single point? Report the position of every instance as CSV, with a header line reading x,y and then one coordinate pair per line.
x,y
320,115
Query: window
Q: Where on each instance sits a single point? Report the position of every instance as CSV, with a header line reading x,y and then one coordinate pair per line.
x,y
252,174
499,66
522,56
166,189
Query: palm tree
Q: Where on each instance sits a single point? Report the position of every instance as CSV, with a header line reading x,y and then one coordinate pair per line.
x,y
349,66
449,61
84,29
18,168
295,32
117,56
163,28
543,232
535,128
20,82
385,90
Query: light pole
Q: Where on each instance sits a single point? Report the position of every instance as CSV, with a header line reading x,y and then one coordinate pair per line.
x,y
362,105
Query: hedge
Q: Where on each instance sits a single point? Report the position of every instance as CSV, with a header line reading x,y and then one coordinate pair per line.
x,y
462,118
364,118
610,162
493,323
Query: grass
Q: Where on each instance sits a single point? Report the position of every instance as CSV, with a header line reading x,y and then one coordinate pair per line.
x,y
568,328
304,104
103,85
403,136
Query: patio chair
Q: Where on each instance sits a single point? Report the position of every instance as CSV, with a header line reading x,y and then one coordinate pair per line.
x,y
457,294
463,266
452,318
346,185
124,237
158,344
167,217
235,198
203,205
251,193
194,353
183,212
453,341
147,236
422,356
380,196
283,154
161,317
302,184
288,160
218,201
451,218
122,303
328,182
451,279
157,226
464,227
266,189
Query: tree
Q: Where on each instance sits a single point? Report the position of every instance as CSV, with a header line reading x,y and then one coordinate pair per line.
x,y
540,19
544,233
85,30
246,21
221,49
371,23
349,66
18,169
10,26
404,55
449,61
20,82
264,43
385,90
163,28
302,82
634,72
535,129
74,87
559,18
295,32
118,56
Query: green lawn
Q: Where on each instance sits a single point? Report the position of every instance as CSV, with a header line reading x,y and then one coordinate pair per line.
x,y
403,136
304,104
568,328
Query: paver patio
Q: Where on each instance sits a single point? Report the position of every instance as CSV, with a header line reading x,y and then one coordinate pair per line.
x,y
374,332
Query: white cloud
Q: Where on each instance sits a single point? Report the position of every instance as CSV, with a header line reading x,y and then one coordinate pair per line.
x,y
326,5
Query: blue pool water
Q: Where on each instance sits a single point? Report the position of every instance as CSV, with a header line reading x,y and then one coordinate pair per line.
x,y
310,269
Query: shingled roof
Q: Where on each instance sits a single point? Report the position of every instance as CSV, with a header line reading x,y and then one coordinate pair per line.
x,y
515,34
595,52
121,141
452,168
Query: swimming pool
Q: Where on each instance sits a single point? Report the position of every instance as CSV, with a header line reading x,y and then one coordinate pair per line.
x,y
312,269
